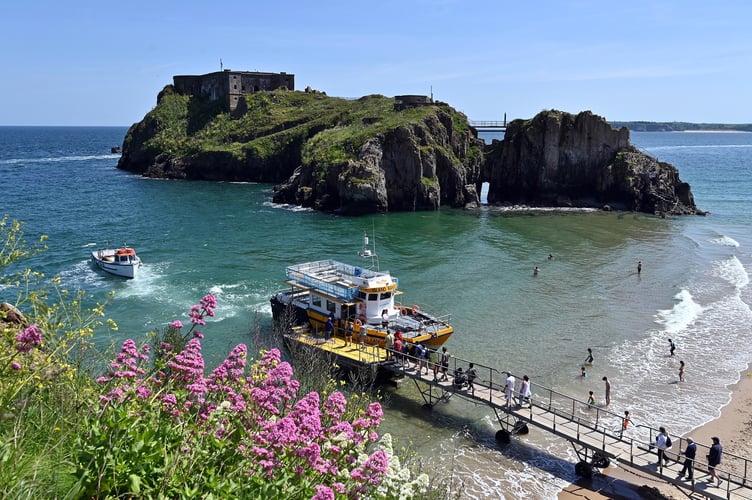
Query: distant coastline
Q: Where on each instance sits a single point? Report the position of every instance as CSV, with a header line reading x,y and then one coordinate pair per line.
x,y
641,126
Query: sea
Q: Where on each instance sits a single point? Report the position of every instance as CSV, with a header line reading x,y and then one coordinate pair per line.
x,y
231,240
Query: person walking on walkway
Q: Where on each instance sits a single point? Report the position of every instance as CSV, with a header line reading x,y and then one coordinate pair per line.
x,y
444,363
625,421
661,445
525,392
689,459
389,345
509,389
714,458
472,374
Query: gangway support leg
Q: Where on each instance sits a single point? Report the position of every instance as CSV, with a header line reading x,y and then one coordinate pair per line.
x,y
430,397
508,428
585,468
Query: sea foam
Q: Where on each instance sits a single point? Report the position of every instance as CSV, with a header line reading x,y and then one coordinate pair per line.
x,y
679,317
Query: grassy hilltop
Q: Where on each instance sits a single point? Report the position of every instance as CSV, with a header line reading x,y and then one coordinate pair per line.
x,y
270,134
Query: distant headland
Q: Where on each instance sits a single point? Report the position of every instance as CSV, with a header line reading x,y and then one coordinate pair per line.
x,y
640,126
380,154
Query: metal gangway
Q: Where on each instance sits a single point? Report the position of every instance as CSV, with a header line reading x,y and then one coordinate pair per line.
x,y
596,433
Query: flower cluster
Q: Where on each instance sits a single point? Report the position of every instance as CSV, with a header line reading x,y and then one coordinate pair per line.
x,y
28,339
254,421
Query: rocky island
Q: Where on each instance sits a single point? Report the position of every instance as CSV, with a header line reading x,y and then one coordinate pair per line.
x,y
407,153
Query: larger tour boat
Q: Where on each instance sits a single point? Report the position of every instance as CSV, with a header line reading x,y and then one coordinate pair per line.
x,y
358,298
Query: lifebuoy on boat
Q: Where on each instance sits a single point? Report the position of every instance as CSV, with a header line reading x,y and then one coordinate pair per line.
x,y
403,312
416,309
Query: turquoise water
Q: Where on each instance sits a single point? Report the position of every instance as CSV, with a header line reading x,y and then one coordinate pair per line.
x,y
230,240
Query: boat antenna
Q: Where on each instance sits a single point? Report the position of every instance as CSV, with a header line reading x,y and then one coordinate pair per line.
x,y
368,253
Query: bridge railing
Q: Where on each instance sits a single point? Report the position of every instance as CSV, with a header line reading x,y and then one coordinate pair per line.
x,y
566,410
488,123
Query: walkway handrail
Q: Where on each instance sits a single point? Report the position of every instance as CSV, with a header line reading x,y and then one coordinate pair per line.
x,y
734,468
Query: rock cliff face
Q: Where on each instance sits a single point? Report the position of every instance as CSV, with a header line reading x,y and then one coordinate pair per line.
x,y
418,167
565,160
379,154
375,154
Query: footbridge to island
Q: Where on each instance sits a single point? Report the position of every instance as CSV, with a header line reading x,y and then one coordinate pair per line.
x,y
596,433
489,125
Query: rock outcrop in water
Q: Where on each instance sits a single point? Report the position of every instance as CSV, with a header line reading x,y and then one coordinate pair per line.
x,y
379,154
558,159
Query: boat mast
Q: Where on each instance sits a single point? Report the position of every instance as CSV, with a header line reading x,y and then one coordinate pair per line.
x,y
367,253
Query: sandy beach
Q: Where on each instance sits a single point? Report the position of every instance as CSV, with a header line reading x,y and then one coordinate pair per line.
x,y
732,427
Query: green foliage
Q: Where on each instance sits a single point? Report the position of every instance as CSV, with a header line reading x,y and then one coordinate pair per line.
x,y
42,381
329,130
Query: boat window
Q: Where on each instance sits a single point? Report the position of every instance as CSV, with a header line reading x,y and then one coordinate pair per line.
x,y
316,301
362,295
331,307
386,295
373,296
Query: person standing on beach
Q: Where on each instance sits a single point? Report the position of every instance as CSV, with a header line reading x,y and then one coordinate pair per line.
x,y
689,459
608,390
661,445
681,371
589,359
714,458
671,346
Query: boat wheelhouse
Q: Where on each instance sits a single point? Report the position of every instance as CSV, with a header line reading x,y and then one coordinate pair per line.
x,y
122,261
358,297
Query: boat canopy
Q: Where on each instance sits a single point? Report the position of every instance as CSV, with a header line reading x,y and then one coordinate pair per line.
x,y
339,280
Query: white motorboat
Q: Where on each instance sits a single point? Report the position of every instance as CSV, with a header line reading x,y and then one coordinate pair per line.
x,y
121,261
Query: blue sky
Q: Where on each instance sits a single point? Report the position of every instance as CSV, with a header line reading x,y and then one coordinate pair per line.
x,y
103,63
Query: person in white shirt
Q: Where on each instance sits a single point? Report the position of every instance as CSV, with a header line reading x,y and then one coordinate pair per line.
x,y
509,388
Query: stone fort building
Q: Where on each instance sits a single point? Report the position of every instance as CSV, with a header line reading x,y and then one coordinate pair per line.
x,y
230,85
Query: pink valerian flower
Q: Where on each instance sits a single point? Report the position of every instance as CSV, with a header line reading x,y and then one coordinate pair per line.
x,y
307,414
208,304
188,365
197,318
233,367
271,386
372,417
335,405
28,338
373,470
204,308
15,365
127,362
323,493
177,324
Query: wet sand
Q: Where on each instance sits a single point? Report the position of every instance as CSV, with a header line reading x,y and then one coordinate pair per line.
x,y
731,427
